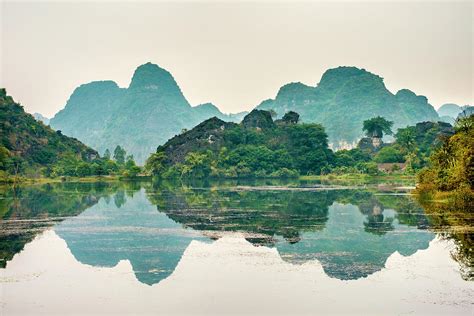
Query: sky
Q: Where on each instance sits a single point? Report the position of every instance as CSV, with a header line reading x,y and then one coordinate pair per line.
x,y
234,54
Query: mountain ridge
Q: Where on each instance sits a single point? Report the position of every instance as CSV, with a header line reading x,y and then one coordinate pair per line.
x,y
139,118
153,108
345,97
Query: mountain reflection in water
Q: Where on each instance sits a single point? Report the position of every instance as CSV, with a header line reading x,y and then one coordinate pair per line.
x,y
350,232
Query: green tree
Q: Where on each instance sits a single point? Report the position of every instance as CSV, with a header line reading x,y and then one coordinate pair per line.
x,y
119,155
83,169
130,162
155,164
4,157
375,127
389,154
197,165
406,139
464,123
110,167
131,169
452,164
107,154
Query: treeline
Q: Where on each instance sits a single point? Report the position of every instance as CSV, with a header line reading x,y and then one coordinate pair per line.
x,y
68,165
119,164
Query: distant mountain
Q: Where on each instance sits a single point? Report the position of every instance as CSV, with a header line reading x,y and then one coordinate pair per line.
x,y
153,109
449,112
344,98
449,109
28,147
41,118
139,118
208,110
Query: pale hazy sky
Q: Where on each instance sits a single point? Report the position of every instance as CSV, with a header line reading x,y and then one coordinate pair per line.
x,y
234,54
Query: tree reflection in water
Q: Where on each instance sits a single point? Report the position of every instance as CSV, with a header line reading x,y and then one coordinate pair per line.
x,y
351,232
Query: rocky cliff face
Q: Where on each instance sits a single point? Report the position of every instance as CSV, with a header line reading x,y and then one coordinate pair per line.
x,y
344,98
258,119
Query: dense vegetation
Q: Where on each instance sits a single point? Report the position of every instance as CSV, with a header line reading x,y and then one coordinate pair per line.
x,y
258,147
344,98
148,113
261,147
452,164
30,148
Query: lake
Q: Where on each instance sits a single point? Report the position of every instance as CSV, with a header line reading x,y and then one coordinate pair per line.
x,y
236,247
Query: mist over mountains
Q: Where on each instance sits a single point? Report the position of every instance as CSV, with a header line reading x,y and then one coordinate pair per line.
x,y
449,112
153,109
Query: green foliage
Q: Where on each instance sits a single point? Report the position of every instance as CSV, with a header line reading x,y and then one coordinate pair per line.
x,y
107,154
464,124
119,155
285,173
344,98
131,169
351,158
452,164
155,164
417,142
369,168
256,148
197,165
375,127
29,148
389,154
406,139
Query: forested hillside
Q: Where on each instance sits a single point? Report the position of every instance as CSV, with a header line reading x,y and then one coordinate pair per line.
x,y
257,147
344,98
28,147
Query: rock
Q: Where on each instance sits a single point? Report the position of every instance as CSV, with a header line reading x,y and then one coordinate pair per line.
x,y
258,119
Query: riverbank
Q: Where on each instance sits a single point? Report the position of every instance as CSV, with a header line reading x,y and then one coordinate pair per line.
x,y
352,178
459,197
90,179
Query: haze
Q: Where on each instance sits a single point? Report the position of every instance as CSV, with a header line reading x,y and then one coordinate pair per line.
x,y
234,54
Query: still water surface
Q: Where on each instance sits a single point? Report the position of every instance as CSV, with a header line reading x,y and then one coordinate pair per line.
x,y
231,248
